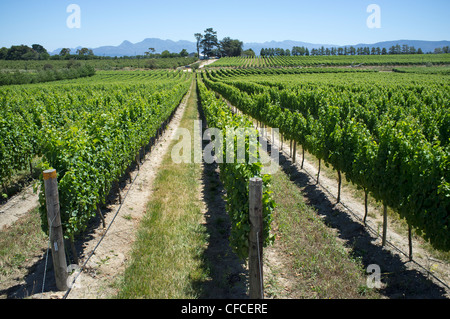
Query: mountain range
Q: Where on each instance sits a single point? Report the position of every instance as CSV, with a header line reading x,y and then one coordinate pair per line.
x,y
126,48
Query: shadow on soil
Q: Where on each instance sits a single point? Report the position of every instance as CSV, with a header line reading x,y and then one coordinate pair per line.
x,y
397,280
228,274
33,281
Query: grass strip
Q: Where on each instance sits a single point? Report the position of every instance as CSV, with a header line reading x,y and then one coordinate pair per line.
x,y
19,244
166,260
322,265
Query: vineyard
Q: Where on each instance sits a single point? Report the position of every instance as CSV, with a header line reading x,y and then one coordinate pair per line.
x,y
385,133
90,132
322,61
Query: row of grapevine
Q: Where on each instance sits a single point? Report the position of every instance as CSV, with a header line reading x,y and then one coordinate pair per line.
x,y
284,71
89,131
344,60
21,111
425,103
235,176
391,141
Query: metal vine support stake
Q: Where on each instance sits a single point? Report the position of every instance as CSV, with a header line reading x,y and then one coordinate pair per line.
x,y
55,229
255,239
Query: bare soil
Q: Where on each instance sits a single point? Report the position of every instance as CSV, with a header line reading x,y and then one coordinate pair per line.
x,y
17,206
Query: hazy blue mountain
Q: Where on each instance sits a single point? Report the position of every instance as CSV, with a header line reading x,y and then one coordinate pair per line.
x,y
126,48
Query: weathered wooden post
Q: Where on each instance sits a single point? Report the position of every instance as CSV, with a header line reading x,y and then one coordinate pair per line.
x,y
290,148
410,243
256,239
55,229
137,161
294,157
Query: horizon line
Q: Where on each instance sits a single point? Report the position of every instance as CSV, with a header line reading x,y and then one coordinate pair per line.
x,y
269,41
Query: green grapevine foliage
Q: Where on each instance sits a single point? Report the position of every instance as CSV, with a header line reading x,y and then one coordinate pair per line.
x,y
388,134
236,176
89,130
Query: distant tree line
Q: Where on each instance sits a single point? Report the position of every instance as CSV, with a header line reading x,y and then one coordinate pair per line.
x,y
87,54
304,51
445,49
23,52
210,46
38,52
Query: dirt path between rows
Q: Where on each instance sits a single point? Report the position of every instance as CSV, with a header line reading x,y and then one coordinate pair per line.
x,y
206,62
17,206
110,257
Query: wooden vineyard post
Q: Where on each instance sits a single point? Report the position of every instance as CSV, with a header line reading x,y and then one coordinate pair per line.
x,y
339,186
295,152
318,172
303,156
255,239
290,148
366,209
410,242
55,229
383,240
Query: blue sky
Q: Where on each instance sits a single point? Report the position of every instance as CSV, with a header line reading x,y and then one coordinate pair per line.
x,y
110,22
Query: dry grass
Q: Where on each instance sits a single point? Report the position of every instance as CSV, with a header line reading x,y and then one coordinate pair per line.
x,y
19,244
319,263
